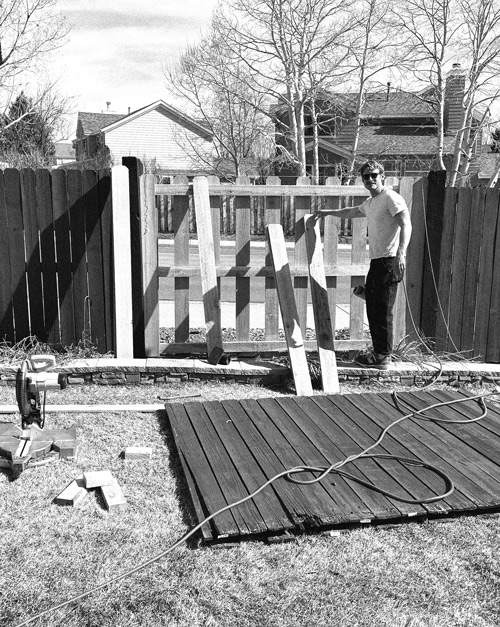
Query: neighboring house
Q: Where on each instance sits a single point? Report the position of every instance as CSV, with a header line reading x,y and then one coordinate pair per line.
x,y
64,153
398,128
163,137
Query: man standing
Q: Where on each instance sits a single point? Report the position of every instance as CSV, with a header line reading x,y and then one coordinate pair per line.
x,y
389,231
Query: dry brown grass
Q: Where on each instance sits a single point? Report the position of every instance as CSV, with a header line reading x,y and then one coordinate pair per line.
x,y
416,575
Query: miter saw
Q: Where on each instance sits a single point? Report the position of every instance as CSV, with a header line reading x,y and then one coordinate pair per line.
x,y
31,444
33,378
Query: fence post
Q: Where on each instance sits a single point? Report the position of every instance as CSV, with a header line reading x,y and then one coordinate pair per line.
x,y
400,327
434,211
124,345
415,255
149,232
136,169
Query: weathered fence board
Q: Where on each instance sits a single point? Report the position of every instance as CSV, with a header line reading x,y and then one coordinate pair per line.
x,y
7,312
48,256
55,279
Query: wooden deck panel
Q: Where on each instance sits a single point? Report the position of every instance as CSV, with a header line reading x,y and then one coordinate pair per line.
x,y
412,483
356,499
430,447
230,448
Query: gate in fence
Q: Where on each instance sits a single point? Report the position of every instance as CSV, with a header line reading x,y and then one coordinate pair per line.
x,y
244,268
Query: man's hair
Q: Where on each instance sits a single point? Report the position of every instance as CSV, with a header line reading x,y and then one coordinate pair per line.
x,y
371,165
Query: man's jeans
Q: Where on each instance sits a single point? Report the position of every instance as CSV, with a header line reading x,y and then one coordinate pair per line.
x,y
380,292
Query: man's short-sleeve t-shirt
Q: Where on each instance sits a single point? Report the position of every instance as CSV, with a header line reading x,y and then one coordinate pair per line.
x,y
383,230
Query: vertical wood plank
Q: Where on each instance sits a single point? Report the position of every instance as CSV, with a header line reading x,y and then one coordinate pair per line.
x,y
48,255
486,276
400,310
149,230
211,300
122,268
95,277
180,225
17,258
300,283
32,251
136,169
242,258
321,309
472,271
358,255
415,255
6,310
289,313
459,267
434,229
272,215
493,342
217,205
106,212
60,208
447,239
78,253
330,249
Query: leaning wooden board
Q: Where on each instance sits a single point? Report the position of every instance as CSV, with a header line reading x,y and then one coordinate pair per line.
x,y
209,287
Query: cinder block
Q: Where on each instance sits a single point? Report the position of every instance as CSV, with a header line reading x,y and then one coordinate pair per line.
x,y
97,478
138,452
73,494
113,496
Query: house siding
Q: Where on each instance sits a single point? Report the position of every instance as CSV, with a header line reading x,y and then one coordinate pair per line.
x,y
154,135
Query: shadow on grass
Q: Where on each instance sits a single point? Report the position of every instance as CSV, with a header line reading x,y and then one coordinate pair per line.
x,y
182,491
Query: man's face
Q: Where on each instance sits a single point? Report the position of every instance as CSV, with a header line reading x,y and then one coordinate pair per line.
x,y
373,180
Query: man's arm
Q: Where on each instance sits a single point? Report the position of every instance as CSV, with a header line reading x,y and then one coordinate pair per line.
x,y
404,221
346,213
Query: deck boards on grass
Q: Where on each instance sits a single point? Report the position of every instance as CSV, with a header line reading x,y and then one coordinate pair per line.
x,y
229,449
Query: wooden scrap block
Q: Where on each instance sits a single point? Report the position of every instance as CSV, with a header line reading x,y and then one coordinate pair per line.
x,y
65,448
113,496
138,452
73,494
97,478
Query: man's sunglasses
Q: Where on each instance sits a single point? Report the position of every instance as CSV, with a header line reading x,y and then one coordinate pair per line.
x,y
372,175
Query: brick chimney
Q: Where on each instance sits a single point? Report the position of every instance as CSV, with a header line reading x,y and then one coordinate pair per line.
x,y
454,91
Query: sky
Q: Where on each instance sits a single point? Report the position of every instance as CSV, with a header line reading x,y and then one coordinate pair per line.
x,y
116,49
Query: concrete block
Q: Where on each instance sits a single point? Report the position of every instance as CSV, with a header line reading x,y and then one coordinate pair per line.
x,y
138,452
73,494
113,496
97,478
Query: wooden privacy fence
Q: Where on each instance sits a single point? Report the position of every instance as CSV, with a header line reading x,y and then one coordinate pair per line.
x,y
79,258
56,270
243,269
467,316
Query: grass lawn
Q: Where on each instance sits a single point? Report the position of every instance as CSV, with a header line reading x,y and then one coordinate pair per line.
x,y
443,575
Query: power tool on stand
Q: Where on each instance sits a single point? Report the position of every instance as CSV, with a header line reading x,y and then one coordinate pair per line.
x,y
31,444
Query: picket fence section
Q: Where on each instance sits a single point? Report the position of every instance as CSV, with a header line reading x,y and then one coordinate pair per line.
x,y
468,316
242,197
56,269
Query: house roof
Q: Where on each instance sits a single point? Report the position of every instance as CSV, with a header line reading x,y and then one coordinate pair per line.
x,y
164,108
396,104
92,123
403,140
390,139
